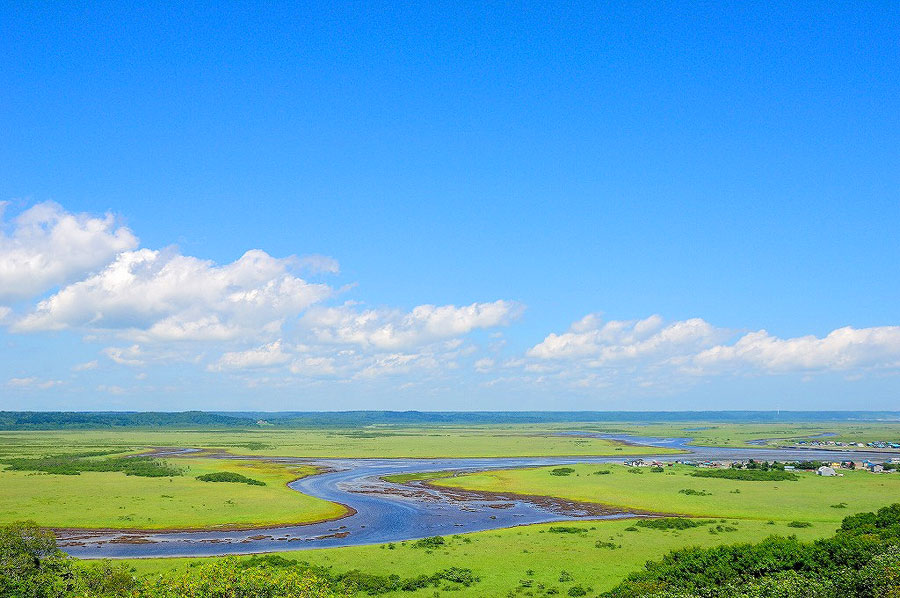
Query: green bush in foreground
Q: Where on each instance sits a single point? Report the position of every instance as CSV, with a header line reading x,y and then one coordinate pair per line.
x,y
861,560
227,476
31,566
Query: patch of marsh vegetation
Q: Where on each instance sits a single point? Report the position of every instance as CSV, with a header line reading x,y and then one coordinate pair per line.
x,y
861,559
562,471
747,475
228,476
76,463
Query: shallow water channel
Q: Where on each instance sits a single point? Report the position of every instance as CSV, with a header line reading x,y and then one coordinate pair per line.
x,y
388,512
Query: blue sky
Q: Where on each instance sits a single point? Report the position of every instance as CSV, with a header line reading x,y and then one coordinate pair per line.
x,y
620,206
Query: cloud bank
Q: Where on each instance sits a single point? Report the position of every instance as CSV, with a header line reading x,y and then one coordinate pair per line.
x,y
46,246
267,321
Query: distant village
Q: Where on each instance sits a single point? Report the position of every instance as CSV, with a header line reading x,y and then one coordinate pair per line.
x,y
877,444
822,468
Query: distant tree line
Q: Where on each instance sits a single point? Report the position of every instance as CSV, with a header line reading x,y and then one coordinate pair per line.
x,y
58,420
33,420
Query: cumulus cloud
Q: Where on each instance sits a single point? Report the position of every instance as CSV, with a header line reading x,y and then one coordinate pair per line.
x,y
393,329
166,296
841,350
623,340
261,357
651,352
319,264
45,246
132,355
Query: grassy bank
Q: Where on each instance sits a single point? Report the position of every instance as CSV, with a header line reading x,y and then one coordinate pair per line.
x,y
517,441
114,500
675,490
521,559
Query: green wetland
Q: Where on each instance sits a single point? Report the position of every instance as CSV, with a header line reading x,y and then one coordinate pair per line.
x,y
700,531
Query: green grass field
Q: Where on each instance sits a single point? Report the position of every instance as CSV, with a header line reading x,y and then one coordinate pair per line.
x,y
114,500
510,562
739,435
808,499
506,558
512,441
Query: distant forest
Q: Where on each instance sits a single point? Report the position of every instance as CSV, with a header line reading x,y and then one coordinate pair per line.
x,y
57,420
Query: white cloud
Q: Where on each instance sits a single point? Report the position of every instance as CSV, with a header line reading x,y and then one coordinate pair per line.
x,y
261,357
33,382
253,313
48,246
319,264
164,296
393,329
314,366
125,355
397,363
650,353
841,350
83,367
620,340
485,364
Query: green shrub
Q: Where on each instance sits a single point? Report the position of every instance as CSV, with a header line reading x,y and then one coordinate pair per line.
x,y
692,492
431,543
747,475
74,464
31,566
862,559
562,471
664,523
610,545
227,476
564,529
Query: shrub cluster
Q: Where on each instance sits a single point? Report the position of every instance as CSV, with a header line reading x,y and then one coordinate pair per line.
x,y
692,492
566,529
74,464
358,581
747,475
562,471
861,560
227,476
672,523
31,566
429,543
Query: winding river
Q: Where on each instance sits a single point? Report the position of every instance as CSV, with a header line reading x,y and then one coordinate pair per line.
x,y
389,512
